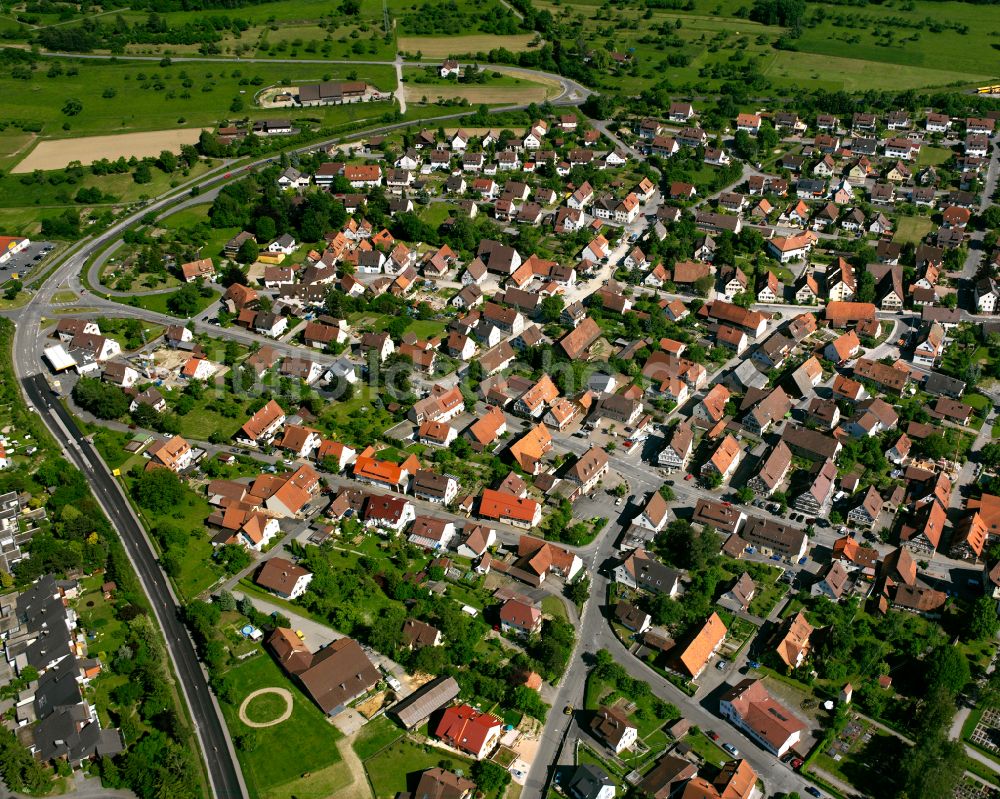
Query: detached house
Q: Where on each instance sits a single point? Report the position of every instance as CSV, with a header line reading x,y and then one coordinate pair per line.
x,y
469,731
724,459
520,618
614,730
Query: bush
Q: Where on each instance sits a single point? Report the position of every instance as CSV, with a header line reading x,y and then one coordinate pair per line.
x,y
103,400
158,490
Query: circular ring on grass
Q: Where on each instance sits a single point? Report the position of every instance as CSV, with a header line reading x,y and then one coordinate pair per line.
x,y
284,693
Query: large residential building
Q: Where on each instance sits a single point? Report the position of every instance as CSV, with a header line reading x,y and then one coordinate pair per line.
x,y
750,708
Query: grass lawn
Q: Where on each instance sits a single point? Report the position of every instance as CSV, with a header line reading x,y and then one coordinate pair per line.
x,y
587,756
198,216
707,748
97,617
932,156
13,145
768,595
465,595
599,693
859,34
434,214
783,273
199,424
976,401
421,328
911,229
554,606
24,191
305,743
389,771
111,444
158,303
265,708
375,736
357,420
950,363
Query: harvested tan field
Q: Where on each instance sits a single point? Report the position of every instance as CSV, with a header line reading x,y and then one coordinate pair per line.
x,y
441,46
58,153
475,94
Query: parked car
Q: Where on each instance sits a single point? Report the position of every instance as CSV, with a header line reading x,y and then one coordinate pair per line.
x,y
731,749
813,791
721,665
713,735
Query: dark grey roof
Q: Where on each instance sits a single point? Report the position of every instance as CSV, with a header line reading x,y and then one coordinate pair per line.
x,y
51,644
40,603
425,700
937,383
587,782
57,736
57,688
653,575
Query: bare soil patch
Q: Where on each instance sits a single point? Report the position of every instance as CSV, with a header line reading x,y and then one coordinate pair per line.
x,y
59,153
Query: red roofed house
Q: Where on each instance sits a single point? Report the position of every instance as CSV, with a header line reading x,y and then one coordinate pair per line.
x,y
385,473
262,427
520,617
174,454
692,658
388,513
542,557
203,268
503,507
469,731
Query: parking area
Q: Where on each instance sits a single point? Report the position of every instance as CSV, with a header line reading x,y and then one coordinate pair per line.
x,y
23,263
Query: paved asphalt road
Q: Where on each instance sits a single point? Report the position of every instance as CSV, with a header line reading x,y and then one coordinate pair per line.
x,y
227,781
